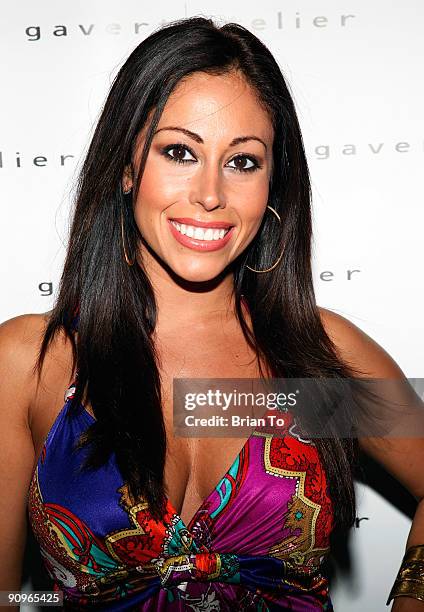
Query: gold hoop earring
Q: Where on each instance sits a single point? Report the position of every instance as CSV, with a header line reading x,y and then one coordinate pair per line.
x,y
281,254
130,263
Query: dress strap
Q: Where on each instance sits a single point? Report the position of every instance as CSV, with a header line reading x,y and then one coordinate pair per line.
x,y
70,391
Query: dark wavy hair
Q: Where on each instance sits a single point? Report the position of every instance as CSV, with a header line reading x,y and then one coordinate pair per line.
x,y
114,353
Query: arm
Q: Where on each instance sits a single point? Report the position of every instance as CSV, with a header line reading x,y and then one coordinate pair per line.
x,y
401,457
17,355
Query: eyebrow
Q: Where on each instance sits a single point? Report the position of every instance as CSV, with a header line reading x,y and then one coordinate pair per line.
x,y
198,138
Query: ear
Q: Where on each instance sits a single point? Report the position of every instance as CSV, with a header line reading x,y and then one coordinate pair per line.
x,y
127,178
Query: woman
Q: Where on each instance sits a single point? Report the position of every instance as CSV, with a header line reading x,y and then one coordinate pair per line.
x,y
198,131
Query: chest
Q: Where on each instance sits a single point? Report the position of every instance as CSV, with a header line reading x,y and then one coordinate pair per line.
x,y
194,466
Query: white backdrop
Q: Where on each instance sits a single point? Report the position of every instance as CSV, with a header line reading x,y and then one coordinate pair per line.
x,y
355,70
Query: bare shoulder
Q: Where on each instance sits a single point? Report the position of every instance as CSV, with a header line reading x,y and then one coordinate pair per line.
x,y
403,457
20,341
357,348
22,333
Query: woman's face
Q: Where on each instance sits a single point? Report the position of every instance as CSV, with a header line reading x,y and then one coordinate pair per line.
x,y
208,167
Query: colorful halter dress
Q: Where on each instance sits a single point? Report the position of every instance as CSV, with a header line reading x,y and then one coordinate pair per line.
x,y
257,542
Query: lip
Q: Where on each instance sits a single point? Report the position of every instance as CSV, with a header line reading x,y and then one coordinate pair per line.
x,y
200,245
212,224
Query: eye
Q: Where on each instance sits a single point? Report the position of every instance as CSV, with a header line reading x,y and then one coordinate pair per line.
x,y
240,167
180,149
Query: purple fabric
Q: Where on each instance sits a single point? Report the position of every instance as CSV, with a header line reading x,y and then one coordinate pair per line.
x,y
257,542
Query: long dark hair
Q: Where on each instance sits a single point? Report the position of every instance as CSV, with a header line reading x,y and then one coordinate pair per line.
x,y
114,353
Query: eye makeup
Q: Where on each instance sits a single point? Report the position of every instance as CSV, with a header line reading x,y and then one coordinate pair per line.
x,y
184,148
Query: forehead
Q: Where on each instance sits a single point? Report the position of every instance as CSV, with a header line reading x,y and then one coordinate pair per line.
x,y
218,103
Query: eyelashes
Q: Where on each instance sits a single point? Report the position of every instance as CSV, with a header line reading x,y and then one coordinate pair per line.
x,y
183,148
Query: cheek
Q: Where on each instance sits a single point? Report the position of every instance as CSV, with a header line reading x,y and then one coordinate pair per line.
x,y
252,204
156,193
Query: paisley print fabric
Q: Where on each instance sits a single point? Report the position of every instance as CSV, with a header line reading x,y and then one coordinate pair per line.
x,y
257,542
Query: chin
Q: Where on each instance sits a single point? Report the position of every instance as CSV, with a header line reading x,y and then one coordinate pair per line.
x,y
197,274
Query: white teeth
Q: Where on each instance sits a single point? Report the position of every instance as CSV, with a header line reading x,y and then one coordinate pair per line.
x,y
200,233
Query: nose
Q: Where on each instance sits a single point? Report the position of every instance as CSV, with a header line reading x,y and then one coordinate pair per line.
x,y
207,188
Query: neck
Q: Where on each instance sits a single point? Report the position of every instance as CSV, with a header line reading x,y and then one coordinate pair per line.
x,y
182,303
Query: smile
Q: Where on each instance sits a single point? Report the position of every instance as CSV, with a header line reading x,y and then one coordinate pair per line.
x,y
200,233
200,238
